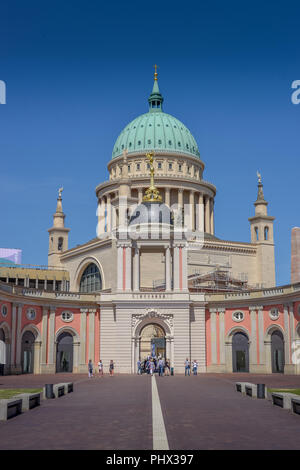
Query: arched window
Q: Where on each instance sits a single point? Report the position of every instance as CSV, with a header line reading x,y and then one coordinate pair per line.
x,y
256,232
91,279
266,233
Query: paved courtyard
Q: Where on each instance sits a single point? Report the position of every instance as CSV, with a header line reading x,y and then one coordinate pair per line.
x,y
119,413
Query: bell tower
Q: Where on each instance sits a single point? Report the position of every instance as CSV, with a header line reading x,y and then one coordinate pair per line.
x,y
262,235
58,234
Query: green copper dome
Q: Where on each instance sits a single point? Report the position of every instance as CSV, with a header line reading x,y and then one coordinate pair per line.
x,y
156,131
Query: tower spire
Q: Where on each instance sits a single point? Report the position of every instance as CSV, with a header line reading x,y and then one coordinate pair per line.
x,y
58,234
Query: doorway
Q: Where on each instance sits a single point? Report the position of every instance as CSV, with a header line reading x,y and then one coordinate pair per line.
x,y
28,340
277,352
240,352
64,353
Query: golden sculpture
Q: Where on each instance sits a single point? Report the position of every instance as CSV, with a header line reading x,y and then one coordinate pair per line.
x,y
152,193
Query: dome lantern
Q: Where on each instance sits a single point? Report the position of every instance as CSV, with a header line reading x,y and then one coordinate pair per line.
x,y
155,99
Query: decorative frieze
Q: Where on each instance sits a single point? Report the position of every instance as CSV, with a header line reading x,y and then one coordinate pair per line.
x,y
152,313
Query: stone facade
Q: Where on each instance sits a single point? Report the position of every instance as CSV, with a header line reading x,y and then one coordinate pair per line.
x,y
122,281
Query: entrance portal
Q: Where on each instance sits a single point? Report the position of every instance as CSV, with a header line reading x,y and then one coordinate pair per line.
x,y
277,351
240,353
64,355
153,342
27,352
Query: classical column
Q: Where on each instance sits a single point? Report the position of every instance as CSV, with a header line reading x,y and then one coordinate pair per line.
x,y
44,335
13,334
286,335
108,213
128,268
176,267
222,334
292,334
292,326
101,217
168,347
92,334
120,267
76,352
136,276
168,268
213,335
83,318
183,265
212,228
172,351
37,357
201,213
180,204
207,214
191,211
261,334
253,349
51,338
18,336
167,197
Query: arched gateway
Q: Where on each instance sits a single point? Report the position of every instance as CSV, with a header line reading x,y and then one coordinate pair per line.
x,y
153,341
152,333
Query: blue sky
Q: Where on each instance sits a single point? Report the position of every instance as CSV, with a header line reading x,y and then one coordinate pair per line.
x,y
77,72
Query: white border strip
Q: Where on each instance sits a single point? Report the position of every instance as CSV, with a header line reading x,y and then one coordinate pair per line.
x,y
160,440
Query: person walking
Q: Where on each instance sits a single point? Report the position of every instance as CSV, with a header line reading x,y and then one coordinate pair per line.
x,y
195,367
111,368
100,368
187,366
167,367
90,368
161,367
139,367
152,368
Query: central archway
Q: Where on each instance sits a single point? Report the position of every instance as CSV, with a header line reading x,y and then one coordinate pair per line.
x,y
152,341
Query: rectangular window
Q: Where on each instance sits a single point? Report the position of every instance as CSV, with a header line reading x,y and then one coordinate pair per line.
x,y
128,168
138,166
159,165
170,166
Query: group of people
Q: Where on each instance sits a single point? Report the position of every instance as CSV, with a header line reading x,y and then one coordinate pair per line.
x,y
100,368
149,366
187,366
154,364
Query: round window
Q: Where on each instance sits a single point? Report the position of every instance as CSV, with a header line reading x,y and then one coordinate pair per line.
x,y
238,316
31,314
274,314
4,310
67,316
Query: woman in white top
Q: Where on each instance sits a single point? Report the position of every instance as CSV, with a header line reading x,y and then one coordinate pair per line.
x,y
100,368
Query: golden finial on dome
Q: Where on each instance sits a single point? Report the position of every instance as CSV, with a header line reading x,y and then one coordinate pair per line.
x,y
155,73
152,193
